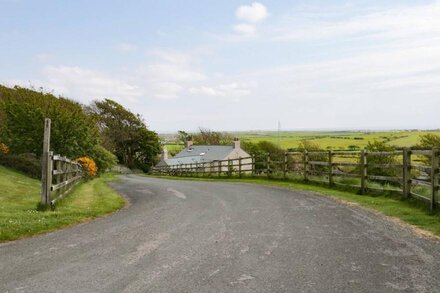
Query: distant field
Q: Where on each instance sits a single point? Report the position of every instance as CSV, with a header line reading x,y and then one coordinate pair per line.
x,y
336,140
329,140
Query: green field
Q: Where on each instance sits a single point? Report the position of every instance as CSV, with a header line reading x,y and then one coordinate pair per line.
x,y
336,140
20,194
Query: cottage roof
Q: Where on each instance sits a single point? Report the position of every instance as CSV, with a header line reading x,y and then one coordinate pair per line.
x,y
200,154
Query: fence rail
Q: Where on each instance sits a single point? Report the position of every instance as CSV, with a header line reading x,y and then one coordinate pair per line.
x,y
404,170
66,173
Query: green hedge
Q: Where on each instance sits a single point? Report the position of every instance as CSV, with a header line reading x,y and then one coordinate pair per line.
x,y
27,163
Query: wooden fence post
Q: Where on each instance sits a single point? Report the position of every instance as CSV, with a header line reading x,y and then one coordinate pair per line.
x,y
268,165
58,166
63,175
285,166
306,165
46,170
253,165
239,167
363,168
219,167
406,177
330,168
434,178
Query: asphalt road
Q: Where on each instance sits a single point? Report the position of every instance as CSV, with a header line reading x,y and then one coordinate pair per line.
x,y
188,236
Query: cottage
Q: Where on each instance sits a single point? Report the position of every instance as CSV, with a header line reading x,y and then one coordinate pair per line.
x,y
207,156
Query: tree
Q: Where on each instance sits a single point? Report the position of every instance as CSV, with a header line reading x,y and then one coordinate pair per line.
x,y
207,136
150,148
22,113
183,136
126,134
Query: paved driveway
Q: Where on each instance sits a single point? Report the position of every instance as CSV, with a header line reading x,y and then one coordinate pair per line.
x,y
188,236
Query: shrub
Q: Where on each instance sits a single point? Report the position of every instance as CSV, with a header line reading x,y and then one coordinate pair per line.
x,y
103,158
26,163
4,149
311,147
89,166
260,150
380,146
427,142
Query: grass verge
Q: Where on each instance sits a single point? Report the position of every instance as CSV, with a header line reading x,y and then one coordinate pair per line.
x,y
20,194
409,210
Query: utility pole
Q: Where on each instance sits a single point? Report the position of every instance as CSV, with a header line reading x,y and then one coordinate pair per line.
x,y
279,133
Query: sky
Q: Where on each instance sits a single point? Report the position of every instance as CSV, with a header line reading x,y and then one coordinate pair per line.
x,y
234,65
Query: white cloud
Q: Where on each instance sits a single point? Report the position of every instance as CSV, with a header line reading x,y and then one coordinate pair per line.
x,y
170,56
126,47
245,29
232,90
253,13
403,22
87,84
170,74
205,91
249,15
385,89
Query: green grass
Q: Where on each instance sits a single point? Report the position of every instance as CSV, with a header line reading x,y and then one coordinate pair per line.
x,y
19,196
174,148
409,210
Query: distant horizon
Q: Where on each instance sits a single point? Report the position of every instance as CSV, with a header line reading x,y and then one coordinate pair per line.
x,y
313,130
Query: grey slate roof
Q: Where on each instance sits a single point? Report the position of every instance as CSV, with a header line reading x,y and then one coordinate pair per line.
x,y
200,154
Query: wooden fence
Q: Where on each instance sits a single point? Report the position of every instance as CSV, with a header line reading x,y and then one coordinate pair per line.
x,y
413,173
59,174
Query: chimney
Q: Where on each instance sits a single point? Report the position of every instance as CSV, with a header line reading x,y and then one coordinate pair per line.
x,y
236,143
164,153
189,143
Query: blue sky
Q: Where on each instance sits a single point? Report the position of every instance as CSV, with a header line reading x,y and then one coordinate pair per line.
x,y
234,65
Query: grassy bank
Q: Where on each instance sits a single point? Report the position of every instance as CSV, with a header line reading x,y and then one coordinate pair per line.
x,y
409,211
19,196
